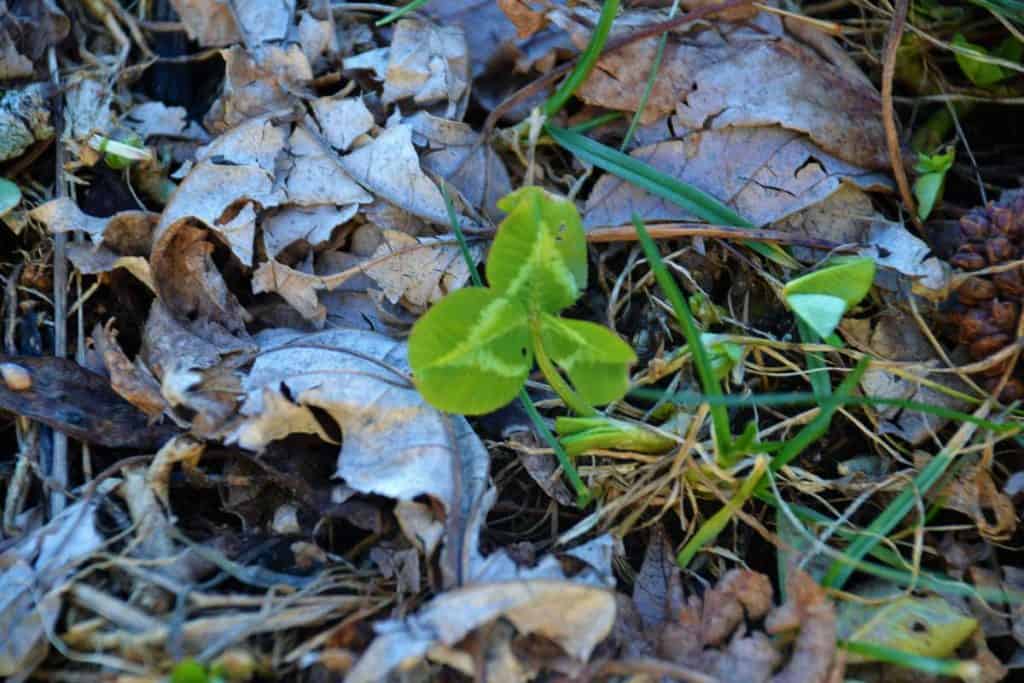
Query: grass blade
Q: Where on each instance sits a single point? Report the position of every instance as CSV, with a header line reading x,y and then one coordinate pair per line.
x,y
957,668
929,475
701,359
587,60
693,200
401,12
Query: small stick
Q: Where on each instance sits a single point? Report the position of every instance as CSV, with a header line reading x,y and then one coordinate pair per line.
x,y
59,467
667,231
892,140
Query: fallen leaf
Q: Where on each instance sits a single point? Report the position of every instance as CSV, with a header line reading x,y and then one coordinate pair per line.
x,y
764,173
168,344
482,179
131,382
343,120
208,22
24,119
313,226
390,168
419,272
428,63
574,616
32,581
741,592
299,289
725,76
808,611
264,80
81,404
658,589
156,119
521,13
27,29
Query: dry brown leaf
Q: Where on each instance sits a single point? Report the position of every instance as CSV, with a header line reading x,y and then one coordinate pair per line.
x,y
132,383
765,174
258,82
481,180
429,63
208,22
418,272
973,492
658,589
741,592
390,168
168,344
575,616
808,609
343,120
522,14
299,289
313,177
738,75
313,226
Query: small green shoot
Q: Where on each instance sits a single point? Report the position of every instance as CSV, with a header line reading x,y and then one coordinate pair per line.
x,y
587,60
10,196
984,73
710,530
580,434
191,671
931,179
701,357
472,351
401,12
820,299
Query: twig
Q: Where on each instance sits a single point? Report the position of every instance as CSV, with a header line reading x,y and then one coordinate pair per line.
x,y
666,231
892,140
59,468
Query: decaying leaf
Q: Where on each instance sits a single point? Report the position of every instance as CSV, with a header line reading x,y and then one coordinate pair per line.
x,y
212,23
429,63
32,581
24,119
81,404
973,493
574,616
419,272
658,589
808,611
764,173
131,381
27,29
738,76
258,82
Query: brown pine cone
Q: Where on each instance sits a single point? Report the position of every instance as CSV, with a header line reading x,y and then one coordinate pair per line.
x,y
987,306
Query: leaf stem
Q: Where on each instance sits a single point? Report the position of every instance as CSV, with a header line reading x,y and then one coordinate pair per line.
x,y
572,400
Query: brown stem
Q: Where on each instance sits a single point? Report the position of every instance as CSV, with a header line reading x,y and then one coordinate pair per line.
x,y
892,140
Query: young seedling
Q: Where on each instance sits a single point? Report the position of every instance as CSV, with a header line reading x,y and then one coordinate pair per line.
x,y
472,351
820,299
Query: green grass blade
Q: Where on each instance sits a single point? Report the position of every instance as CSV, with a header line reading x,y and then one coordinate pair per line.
x,y
817,427
595,122
710,529
659,55
453,218
586,61
701,359
691,199
962,669
401,12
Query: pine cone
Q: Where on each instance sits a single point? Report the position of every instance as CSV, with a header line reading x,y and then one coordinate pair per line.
x,y
987,306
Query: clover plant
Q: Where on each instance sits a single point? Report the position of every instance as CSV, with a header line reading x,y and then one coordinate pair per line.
x,y
472,351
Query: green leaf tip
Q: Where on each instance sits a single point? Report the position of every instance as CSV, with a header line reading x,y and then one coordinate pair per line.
x,y
821,298
539,255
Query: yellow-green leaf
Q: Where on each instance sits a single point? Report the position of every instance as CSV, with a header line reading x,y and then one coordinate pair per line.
x,y
821,298
929,627
539,256
595,359
470,353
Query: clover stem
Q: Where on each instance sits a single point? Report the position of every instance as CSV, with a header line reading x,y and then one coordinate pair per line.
x,y
572,400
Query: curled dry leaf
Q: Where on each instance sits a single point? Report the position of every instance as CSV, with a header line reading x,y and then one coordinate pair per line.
x,y
257,82
764,173
897,337
132,382
738,76
576,617
212,23
974,493
394,444
168,344
741,592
